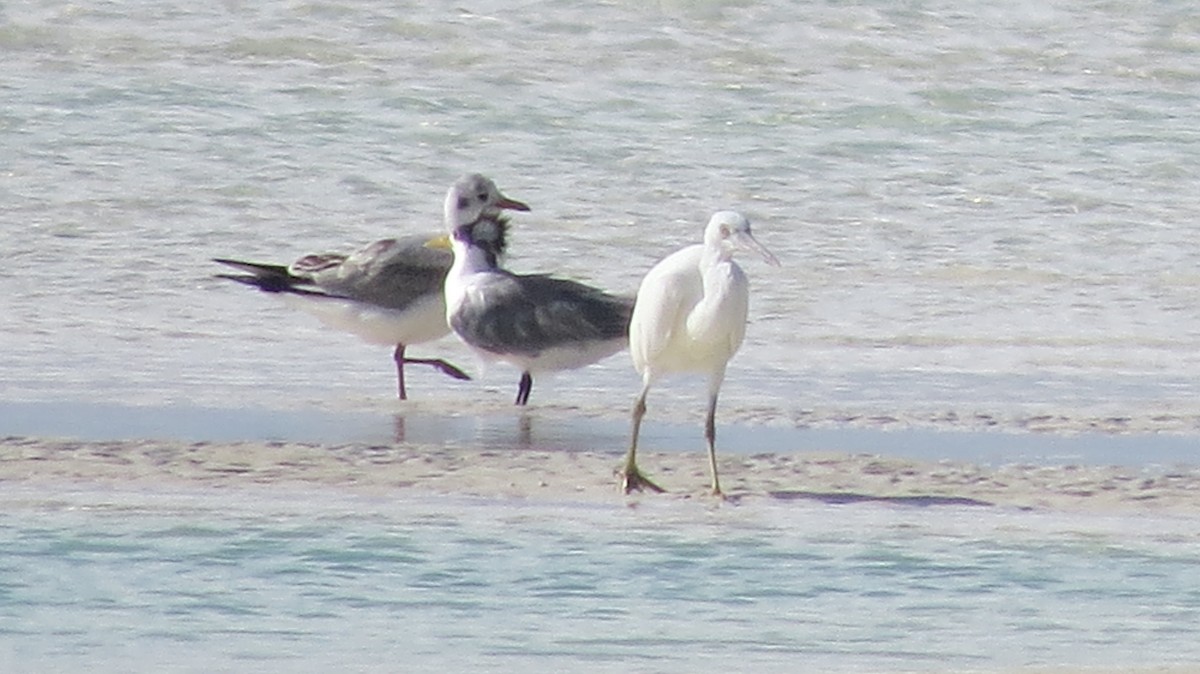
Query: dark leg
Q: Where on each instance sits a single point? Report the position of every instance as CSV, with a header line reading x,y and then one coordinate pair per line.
x,y
710,435
524,388
445,367
632,478
398,356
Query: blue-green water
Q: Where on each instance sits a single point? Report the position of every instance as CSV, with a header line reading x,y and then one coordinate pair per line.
x,y
269,580
986,214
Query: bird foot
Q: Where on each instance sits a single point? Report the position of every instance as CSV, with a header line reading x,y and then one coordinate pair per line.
x,y
445,367
632,480
449,369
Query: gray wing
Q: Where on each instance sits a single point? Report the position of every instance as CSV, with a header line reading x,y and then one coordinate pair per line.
x,y
527,314
390,273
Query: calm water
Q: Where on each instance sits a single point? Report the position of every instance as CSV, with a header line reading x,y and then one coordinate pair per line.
x,y
981,209
986,217
269,581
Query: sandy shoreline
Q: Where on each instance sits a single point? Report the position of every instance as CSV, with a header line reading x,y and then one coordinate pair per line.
x,y
589,477
554,478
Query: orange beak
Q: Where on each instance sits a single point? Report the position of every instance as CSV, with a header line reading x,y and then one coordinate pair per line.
x,y
511,204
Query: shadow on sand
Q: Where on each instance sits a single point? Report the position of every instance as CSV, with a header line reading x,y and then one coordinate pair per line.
x,y
849,498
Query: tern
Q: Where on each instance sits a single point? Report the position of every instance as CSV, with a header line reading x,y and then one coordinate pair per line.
x,y
536,322
388,292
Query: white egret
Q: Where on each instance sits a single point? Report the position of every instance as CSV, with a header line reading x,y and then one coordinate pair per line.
x,y
536,322
690,316
388,292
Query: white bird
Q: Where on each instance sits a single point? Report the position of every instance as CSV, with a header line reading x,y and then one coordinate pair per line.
x,y
536,322
690,316
388,292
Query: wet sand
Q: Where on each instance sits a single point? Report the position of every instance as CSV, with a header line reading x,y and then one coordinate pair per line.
x,y
590,476
85,473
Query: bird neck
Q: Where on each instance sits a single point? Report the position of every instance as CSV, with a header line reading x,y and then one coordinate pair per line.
x,y
469,256
717,271
496,240
716,252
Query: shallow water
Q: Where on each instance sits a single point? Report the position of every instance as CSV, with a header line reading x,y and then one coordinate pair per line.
x,y
272,579
566,431
985,217
980,210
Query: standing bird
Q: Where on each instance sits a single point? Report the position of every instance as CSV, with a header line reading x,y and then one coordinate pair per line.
x,y
388,292
533,321
690,316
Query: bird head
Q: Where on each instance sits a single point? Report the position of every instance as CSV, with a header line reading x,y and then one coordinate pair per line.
x,y
472,212
474,197
730,231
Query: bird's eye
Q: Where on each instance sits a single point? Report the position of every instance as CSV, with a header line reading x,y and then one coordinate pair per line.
x,y
482,197
463,203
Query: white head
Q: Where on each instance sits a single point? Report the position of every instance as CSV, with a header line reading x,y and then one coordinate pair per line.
x,y
728,231
472,198
473,220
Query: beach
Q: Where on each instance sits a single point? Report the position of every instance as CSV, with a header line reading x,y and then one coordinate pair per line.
x,y
590,476
962,433
372,556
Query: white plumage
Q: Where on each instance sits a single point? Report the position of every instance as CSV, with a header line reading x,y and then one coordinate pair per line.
x,y
690,316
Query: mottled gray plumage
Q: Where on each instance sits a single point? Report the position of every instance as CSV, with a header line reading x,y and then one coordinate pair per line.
x,y
510,314
389,273
536,322
388,292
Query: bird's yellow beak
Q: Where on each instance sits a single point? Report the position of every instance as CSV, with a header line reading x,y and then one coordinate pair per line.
x,y
440,243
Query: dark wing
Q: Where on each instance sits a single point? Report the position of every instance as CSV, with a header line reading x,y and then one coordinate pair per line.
x,y
528,314
272,278
389,273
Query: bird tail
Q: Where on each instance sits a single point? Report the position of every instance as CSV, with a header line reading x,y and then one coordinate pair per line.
x,y
271,278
